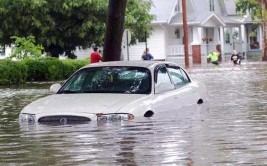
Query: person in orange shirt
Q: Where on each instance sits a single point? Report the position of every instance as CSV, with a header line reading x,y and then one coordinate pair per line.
x,y
95,56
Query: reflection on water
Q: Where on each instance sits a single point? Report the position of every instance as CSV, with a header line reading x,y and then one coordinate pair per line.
x,y
231,132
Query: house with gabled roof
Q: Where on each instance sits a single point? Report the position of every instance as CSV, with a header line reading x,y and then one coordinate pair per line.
x,y
212,25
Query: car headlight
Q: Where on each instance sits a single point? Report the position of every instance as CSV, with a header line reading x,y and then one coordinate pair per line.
x,y
114,117
28,118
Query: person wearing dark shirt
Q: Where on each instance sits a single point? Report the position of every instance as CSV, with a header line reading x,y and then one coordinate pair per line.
x,y
95,56
235,58
146,55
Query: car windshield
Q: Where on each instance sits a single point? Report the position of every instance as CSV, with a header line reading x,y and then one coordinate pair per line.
x,y
131,80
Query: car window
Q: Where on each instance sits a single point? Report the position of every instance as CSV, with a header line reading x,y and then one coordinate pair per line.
x,y
177,77
185,76
77,82
162,76
135,80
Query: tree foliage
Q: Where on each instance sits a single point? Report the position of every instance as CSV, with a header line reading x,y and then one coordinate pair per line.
x,y
26,48
61,26
137,19
253,6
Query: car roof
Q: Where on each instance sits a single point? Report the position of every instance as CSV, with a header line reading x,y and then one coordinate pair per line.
x,y
134,63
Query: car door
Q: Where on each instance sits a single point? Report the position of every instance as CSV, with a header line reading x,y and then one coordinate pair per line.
x,y
185,92
164,97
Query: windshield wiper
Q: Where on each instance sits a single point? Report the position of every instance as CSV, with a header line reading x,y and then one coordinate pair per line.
x,y
89,91
68,91
102,92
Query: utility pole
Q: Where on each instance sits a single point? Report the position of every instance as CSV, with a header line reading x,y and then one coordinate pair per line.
x,y
185,27
146,39
264,30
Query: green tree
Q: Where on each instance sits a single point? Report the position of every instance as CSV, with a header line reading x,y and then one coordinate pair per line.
x,y
61,26
258,11
26,48
137,19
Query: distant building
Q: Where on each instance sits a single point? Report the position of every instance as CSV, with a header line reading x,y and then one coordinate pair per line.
x,y
211,24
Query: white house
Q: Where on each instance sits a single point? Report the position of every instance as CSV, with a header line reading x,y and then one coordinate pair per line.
x,y
212,24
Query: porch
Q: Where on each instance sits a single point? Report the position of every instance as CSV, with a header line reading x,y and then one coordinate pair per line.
x,y
178,50
175,53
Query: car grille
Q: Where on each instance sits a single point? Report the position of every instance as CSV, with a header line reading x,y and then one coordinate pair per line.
x,y
64,119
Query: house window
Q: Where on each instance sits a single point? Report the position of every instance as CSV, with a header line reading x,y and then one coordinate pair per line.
x,y
236,34
178,7
211,5
227,37
178,33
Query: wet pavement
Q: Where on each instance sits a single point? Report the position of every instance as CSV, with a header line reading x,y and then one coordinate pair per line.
x,y
232,131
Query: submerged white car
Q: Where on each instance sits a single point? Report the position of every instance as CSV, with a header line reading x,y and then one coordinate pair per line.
x,y
112,91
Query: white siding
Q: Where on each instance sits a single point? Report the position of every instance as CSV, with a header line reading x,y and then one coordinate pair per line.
x,y
156,44
171,36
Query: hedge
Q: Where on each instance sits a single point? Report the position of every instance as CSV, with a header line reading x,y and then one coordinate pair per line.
x,y
12,72
42,69
71,65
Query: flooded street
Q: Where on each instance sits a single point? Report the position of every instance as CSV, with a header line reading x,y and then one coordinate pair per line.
x,y
232,131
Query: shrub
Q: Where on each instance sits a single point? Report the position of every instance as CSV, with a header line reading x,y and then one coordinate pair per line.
x,y
41,69
50,69
12,72
36,70
73,65
44,69
54,68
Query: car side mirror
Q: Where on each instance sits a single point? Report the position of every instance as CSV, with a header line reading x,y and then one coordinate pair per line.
x,y
55,87
163,87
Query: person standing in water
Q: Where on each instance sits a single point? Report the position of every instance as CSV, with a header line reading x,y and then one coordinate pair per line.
x,y
214,57
235,58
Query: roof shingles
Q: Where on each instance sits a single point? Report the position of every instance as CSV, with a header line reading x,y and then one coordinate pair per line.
x,y
163,10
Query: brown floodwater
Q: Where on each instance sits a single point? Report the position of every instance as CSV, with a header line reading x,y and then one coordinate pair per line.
x,y
231,130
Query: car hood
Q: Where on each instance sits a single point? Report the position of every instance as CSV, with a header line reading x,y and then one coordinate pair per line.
x,y
81,103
